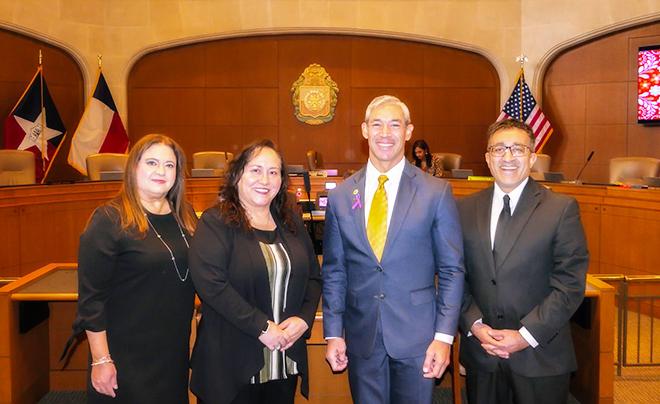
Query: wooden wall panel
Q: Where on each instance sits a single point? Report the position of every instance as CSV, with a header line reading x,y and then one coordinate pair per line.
x,y
590,96
9,243
622,225
65,82
239,90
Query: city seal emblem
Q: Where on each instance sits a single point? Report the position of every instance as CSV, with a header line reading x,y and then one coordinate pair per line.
x,y
314,96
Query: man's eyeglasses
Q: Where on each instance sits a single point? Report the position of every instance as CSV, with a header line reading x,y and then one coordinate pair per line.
x,y
517,150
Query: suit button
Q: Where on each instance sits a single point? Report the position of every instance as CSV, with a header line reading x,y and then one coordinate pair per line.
x,y
379,269
493,282
499,316
380,296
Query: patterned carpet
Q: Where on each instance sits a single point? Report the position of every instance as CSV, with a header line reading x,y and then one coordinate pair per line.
x,y
64,397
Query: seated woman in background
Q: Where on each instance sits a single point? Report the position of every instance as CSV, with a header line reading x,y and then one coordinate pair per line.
x,y
255,270
427,162
135,296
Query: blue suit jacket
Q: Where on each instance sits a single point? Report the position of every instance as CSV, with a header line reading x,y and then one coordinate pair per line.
x,y
423,240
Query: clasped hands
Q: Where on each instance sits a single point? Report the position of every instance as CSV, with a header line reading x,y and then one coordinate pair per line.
x,y
283,335
501,343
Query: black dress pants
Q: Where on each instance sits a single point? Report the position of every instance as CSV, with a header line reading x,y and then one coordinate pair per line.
x,y
273,392
505,387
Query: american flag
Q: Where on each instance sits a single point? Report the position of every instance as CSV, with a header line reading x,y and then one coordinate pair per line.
x,y
531,112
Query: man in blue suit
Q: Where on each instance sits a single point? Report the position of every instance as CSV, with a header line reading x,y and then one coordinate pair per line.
x,y
389,230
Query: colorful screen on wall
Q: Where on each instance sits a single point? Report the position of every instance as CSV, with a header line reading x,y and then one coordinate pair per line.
x,y
648,84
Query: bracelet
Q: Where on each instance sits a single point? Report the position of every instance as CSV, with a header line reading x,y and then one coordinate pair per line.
x,y
265,330
102,360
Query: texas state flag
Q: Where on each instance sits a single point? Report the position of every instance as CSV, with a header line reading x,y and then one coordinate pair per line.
x,y
35,125
100,129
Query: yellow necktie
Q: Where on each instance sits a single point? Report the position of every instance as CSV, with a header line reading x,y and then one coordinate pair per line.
x,y
377,224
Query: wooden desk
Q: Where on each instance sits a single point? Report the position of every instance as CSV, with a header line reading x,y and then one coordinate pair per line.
x,y
42,224
26,374
593,338
29,361
27,356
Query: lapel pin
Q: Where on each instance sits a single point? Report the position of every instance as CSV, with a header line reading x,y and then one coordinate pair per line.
x,y
357,202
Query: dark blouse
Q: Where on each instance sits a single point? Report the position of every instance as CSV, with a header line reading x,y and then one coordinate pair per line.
x,y
129,287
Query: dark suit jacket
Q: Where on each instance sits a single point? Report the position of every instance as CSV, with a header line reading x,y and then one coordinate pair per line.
x,y
230,277
423,240
538,283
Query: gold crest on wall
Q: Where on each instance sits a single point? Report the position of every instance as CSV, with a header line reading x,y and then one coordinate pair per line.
x,y
314,96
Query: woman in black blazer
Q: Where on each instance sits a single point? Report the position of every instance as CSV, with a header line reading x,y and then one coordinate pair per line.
x,y
255,270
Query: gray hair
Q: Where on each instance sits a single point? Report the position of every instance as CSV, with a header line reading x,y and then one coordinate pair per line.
x,y
387,99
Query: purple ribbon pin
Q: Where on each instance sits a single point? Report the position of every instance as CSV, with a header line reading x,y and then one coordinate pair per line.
x,y
357,203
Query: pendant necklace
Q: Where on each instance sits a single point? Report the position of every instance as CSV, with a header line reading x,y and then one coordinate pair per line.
x,y
176,267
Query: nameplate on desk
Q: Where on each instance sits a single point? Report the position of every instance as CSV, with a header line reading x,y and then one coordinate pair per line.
x,y
552,176
111,175
480,178
461,173
324,173
318,215
652,181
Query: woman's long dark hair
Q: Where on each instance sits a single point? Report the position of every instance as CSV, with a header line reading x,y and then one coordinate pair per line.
x,y
427,153
230,206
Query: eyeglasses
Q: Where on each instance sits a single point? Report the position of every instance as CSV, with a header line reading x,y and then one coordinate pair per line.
x,y
517,150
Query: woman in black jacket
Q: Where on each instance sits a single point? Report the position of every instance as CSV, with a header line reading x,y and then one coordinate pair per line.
x,y
255,270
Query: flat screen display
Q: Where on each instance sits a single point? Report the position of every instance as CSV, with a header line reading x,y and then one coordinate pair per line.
x,y
648,84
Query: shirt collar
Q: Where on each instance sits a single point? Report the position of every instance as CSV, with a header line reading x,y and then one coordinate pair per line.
x,y
498,194
393,175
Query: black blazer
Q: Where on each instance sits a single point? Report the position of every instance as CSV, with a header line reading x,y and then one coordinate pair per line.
x,y
538,283
230,276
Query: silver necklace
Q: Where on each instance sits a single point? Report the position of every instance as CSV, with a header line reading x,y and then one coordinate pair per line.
x,y
176,267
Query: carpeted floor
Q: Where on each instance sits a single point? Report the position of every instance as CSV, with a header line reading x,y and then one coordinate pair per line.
x,y
64,397
441,395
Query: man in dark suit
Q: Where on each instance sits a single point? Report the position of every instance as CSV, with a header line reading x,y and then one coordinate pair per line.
x,y
526,261
389,230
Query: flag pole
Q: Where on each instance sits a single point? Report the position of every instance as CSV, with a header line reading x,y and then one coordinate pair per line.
x,y
44,144
522,58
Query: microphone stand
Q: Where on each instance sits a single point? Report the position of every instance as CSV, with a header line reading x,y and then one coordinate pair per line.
x,y
312,226
577,180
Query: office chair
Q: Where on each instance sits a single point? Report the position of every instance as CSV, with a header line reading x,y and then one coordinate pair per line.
x,y
217,160
314,160
450,161
541,166
17,167
104,162
633,169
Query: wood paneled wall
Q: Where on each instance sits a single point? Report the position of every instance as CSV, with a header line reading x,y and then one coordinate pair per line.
x,y
590,95
220,95
65,82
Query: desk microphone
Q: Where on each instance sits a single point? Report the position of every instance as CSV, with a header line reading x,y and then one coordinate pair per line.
x,y
308,185
577,178
308,191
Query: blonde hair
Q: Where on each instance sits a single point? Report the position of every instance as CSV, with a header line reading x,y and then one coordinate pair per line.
x,y
127,202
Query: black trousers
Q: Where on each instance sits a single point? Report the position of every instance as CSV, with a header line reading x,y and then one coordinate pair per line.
x,y
505,387
273,392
